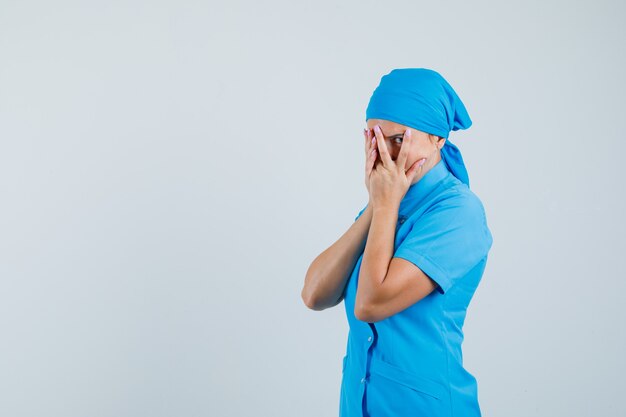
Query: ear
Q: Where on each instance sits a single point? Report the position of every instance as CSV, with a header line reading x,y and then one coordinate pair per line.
x,y
442,141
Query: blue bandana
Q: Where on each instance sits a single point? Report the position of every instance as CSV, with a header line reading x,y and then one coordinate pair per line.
x,y
422,99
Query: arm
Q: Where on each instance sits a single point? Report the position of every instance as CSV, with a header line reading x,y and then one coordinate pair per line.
x,y
328,274
387,285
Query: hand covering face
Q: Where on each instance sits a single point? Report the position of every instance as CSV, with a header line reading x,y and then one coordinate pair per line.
x,y
422,99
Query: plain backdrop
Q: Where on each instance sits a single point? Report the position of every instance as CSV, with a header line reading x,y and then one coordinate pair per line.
x,y
169,170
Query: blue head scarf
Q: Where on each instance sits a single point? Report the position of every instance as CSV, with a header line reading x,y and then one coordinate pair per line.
x,y
422,99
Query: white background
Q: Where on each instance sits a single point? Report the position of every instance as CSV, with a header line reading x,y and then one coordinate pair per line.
x,y
169,169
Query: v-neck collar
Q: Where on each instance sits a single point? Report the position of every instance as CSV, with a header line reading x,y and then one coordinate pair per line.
x,y
416,192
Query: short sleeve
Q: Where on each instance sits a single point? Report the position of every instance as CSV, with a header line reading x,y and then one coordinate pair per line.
x,y
360,212
448,240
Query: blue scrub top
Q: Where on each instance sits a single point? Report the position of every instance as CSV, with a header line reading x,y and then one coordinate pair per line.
x,y
410,364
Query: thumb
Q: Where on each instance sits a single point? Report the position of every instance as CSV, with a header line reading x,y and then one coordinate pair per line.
x,y
415,167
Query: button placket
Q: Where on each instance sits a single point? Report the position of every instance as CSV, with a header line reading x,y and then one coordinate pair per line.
x,y
370,340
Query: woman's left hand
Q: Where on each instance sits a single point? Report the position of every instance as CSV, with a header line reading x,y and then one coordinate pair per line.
x,y
388,180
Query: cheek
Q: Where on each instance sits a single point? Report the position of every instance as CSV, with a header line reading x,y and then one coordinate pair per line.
x,y
415,155
417,152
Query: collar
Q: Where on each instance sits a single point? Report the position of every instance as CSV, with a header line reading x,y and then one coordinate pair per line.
x,y
418,191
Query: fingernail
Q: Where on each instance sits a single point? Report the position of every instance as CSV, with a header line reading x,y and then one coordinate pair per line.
x,y
422,162
408,133
377,129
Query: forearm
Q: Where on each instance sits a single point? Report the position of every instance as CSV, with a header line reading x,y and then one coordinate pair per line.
x,y
328,274
376,256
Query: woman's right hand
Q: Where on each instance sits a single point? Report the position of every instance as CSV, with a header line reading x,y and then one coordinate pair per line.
x,y
370,155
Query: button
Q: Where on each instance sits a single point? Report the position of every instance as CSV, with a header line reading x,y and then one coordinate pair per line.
x,y
369,339
402,220
363,380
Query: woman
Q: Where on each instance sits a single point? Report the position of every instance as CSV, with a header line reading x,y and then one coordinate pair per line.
x,y
409,265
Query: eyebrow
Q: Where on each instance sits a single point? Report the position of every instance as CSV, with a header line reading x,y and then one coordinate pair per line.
x,y
393,136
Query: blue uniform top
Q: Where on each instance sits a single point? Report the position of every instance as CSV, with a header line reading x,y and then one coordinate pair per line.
x,y
410,364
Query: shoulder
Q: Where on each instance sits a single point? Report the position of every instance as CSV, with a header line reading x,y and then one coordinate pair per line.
x,y
456,199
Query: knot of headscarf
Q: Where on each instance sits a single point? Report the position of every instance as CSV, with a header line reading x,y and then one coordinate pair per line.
x,y
422,99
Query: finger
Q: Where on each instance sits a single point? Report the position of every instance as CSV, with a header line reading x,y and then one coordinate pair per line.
x,y
417,165
368,141
382,148
371,160
404,149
